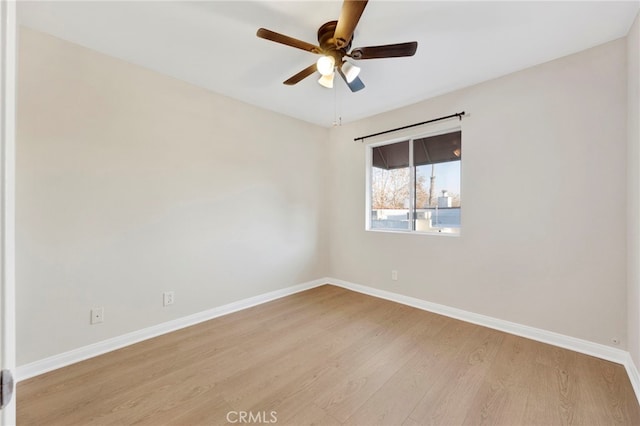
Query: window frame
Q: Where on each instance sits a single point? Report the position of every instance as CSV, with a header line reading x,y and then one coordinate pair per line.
x,y
411,137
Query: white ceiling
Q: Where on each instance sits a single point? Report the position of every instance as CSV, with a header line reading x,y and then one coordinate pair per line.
x,y
213,44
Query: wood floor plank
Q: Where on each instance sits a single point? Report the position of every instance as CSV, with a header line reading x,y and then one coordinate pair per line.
x,y
332,356
311,375
213,412
461,377
604,381
503,394
408,385
356,387
294,413
321,380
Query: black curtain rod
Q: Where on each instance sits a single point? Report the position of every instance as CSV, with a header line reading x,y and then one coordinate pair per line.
x,y
459,115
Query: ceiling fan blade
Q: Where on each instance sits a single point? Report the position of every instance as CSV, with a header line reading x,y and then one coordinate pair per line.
x,y
286,40
386,51
356,85
348,20
301,75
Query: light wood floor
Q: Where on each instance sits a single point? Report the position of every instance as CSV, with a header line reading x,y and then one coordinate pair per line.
x,y
329,356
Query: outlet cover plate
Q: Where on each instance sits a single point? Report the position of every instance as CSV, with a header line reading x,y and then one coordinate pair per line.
x,y
167,298
97,315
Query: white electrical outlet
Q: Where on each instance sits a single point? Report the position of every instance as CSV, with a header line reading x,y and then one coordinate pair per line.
x,y
167,298
97,315
394,275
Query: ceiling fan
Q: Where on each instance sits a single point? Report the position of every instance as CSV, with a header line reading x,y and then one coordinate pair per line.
x,y
335,38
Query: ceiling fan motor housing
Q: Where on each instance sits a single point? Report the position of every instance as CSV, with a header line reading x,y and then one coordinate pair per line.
x,y
328,43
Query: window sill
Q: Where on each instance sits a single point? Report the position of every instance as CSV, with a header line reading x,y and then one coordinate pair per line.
x,y
398,231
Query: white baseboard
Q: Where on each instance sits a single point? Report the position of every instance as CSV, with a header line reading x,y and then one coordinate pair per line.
x,y
634,375
579,345
27,371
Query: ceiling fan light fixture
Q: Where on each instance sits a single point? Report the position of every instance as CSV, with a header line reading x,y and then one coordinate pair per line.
x,y
327,81
350,71
326,64
334,44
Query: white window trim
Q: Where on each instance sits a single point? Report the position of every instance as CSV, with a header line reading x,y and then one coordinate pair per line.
x,y
442,129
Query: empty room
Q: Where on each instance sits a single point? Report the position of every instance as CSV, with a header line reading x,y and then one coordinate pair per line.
x,y
329,212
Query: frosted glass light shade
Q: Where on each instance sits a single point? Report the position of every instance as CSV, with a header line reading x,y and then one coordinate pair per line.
x,y
325,65
327,81
350,71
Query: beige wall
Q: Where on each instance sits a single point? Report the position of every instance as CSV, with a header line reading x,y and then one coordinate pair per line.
x,y
130,183
544,201
633,190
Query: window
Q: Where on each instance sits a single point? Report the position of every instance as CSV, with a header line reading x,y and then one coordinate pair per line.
x,y
414,184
